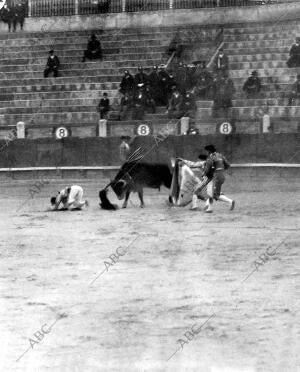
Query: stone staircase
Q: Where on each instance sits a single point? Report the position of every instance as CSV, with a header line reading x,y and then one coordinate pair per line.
x,y
72,98
264,48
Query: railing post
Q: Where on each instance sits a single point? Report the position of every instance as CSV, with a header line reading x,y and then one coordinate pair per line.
x,y
76,6
29,8
171,4
123,5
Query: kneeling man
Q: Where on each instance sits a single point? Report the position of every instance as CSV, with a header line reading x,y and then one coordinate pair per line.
x,y
70,198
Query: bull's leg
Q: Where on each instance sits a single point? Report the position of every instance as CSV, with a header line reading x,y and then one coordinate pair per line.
x,y
140,193
126,199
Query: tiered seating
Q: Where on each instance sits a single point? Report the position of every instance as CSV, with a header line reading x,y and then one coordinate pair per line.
x,y
71,99
264,48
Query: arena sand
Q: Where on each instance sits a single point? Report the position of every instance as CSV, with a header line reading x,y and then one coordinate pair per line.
x,y
184,269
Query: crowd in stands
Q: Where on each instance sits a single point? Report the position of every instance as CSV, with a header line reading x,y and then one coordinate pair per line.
x,y
14,14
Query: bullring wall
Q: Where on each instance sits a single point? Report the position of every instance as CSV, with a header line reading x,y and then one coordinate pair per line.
x,y
239,148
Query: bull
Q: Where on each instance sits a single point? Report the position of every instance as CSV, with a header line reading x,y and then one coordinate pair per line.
x,y
134,176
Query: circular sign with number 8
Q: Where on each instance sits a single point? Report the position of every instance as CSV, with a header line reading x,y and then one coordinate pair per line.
x,y
225,128
143,130
61,132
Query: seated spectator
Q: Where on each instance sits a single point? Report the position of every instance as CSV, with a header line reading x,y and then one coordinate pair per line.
x,y
175,47
221,64
252,85
189,105
52,64
175,105
150,102
204,80
127,83
141,77
104,106
94,50
294,60
125,106
139,103
223,93
295,91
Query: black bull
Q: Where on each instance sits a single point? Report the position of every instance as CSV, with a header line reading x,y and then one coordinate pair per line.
x,y
134,176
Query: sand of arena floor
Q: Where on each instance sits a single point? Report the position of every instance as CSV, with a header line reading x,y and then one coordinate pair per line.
x,y
183,268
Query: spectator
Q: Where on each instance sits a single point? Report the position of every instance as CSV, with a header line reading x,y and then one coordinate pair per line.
x,y
175,47
125,107
223,92
221,64
175,105
181,77
204,82
94,50
140,103
127,84
155,86
103,6
7,16
294,60
52,64
252,85
141,77
150,102
124,148
189,104
171,83
295,91
104,106
164,80
19,15
190,76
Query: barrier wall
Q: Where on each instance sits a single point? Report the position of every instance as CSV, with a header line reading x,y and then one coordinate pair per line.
x,y
239,148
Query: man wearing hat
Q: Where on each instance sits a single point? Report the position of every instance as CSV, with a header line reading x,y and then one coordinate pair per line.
x,y
215,167
141,77
222,63
252,85
52,64
94,50
127,84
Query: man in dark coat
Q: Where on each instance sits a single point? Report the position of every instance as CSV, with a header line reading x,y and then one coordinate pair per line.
x,y
175,110
222,63
181,77
104,106
204,81
175,47
164,80
7,16
154,85
141,77
140,103
19,15
52,64
252,85
223,93
94,50
189,104
295,91
294,60
126,106
127,83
